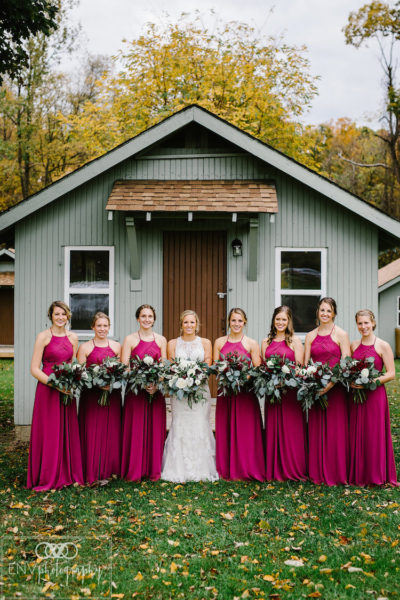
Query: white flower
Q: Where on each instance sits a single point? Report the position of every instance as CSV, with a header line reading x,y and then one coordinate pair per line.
x,y
270,363
96,368
148,360
191,372
223,366
364,373
189,382
285,369
311,370
180,383
197,381
303,372
75,366
184,364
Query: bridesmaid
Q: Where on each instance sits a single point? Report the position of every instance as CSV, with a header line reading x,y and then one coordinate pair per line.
x,y
285,432
100,426
54,453
328,429
238,423
143,422
371,450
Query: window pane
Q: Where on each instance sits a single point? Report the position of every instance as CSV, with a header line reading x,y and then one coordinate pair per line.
x,y
304,311
84,307
301,270
89,268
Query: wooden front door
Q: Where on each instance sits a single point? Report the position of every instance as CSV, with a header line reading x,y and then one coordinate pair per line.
x,y
194,273
7,316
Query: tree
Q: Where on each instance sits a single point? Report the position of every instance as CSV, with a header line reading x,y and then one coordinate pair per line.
x,y
379,22
263,88
19,20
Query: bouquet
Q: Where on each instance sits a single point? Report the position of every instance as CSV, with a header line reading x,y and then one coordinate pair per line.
x,y
311,379
273,377
185,379
70,377
111,372
360,372
144,372
233,373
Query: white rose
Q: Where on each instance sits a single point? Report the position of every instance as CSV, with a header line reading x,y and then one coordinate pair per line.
x,y
184,364
303,372
311,370
365,373
191,372
148,360
76,366
197,381
181,383
285,369
270,363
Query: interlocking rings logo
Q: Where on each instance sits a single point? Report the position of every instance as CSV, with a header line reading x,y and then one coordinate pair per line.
x,y
60,550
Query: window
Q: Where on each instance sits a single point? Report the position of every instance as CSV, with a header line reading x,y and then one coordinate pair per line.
x,y
89,284
300,282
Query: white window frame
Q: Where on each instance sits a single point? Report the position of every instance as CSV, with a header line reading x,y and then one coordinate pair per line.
x,y
76,290
398,312
321,292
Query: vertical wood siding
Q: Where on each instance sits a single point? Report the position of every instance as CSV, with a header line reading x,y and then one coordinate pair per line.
x,y
387,317
304,219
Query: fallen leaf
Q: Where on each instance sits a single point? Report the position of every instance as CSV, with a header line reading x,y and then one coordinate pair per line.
x,y
138,577
294,563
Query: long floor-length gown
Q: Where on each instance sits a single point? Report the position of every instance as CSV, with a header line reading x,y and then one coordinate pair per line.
x,y
371,448
54,453
238,430
285,432
143,427
189,453
100,427
328,428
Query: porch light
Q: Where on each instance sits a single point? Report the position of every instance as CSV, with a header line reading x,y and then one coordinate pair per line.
x,y
237,247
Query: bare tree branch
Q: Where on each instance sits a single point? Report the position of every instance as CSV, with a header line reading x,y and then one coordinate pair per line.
x,y
357,164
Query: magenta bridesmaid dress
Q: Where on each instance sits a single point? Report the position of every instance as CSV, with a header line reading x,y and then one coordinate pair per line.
x,y
285,432
100,427
371,448
238,431
143,427
54,453
328,429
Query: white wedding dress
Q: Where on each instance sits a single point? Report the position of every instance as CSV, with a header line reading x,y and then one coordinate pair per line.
x,y
189,452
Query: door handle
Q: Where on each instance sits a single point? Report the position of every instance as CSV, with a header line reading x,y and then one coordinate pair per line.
x,y
221,295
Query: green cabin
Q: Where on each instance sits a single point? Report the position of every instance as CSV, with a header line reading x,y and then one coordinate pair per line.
x,y
191,213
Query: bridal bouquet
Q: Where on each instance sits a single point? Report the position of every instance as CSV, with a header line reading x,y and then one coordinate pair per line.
x,y
311,379
185,379
360,372
273,377
144,372
110,373
70,377
233,373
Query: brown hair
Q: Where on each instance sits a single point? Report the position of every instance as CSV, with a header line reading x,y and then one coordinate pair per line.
x,y
332,304
289,331
143,306
239,311
59,304
99,315
184,314
365,312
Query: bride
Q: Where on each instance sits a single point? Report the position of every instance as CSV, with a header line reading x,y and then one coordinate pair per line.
x,y
189,452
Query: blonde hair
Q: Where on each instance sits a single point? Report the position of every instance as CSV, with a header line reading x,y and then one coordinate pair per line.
x,y
59,304
365,312
239,311
100,315
184,314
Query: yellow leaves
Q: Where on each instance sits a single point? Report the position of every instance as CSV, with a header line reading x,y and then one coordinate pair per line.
x,y
173,542
314,595
322,558
269,578
17,505
228,516
117,595
138,576
173,567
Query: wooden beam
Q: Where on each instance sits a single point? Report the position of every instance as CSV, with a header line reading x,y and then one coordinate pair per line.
x,y
133,247
253,250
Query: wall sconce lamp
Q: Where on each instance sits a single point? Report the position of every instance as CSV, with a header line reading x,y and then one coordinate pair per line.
x,y
237,248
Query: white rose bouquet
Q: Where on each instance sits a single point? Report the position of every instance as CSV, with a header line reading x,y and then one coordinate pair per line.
x,y
311,379
71,377
110,373
144,372
359,372
185,379
233,374
273,377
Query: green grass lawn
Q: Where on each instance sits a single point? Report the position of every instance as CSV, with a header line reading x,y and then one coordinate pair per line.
x,y
199,540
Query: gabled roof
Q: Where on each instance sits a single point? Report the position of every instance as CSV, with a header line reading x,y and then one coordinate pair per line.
x,y
10,253
389,275
215,124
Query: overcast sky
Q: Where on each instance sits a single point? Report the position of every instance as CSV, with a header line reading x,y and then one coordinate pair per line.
x,y
350,79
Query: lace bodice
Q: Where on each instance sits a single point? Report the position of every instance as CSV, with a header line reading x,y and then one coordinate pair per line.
x,y
192,350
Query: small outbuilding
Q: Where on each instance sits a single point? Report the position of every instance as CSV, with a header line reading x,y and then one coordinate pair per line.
x,y
7,260
389,304
191,213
